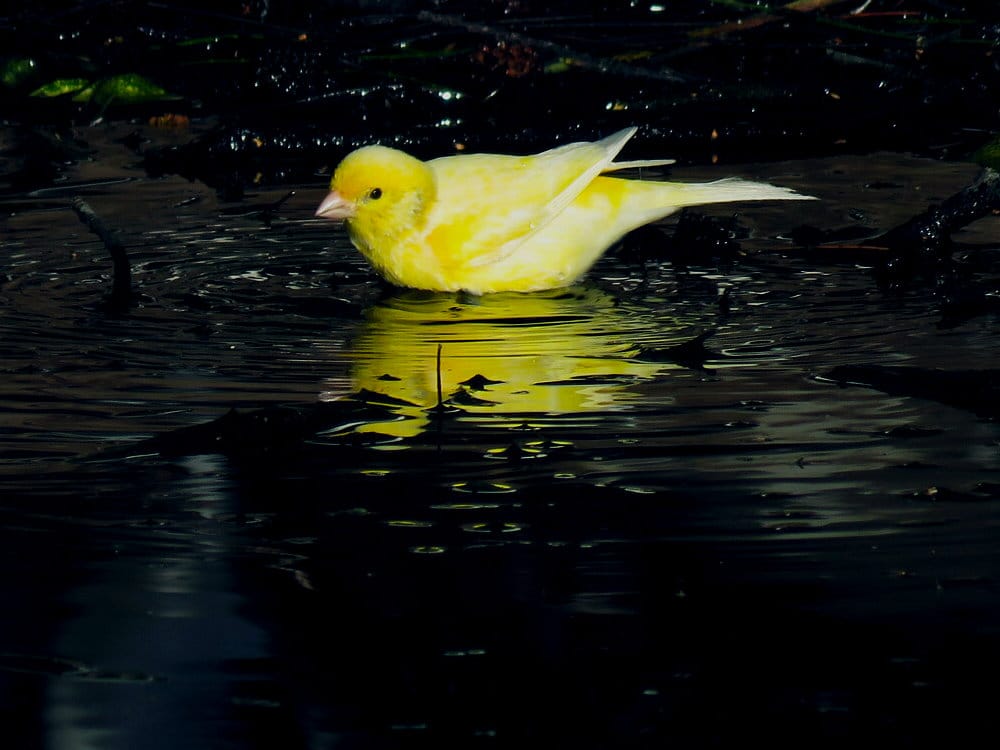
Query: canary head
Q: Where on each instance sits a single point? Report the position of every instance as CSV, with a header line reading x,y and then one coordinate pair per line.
x,y
378,192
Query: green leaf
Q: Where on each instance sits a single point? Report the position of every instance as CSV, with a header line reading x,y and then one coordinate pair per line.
x,y
129,88
562,65
16,71
85,94
60,87
988,155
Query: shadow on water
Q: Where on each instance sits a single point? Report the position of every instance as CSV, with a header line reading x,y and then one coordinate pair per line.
x,y
641,518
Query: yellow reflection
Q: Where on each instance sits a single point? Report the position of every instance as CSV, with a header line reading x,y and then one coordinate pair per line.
x,y
558,352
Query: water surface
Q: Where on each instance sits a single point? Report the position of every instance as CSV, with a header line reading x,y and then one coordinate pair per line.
x,y
638,511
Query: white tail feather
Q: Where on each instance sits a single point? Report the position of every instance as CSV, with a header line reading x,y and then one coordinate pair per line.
x,y
640,164
733,189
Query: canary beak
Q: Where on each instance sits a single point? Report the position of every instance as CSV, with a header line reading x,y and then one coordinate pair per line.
x,y
335,207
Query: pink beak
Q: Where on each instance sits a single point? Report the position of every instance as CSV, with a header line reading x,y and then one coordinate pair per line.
x,y
335,207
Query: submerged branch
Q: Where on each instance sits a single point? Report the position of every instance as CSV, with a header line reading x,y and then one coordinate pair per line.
x,y
935,225
926,235
121,288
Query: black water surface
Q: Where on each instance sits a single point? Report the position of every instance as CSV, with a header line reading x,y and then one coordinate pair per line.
x,y
600,543
716,493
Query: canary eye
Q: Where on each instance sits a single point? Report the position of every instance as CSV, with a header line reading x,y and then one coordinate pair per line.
x,y
375,194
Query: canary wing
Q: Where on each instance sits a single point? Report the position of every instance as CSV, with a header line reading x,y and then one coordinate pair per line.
x,y
488,205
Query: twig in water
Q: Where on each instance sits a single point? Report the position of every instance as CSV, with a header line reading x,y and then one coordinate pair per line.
x,y
440,404
121,287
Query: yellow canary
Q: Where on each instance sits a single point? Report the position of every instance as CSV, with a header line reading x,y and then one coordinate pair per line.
x,y
496,223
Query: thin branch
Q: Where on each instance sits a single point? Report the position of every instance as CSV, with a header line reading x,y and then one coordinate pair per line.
x,y
121,288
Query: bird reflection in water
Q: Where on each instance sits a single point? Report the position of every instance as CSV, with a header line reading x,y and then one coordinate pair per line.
x,y
565,351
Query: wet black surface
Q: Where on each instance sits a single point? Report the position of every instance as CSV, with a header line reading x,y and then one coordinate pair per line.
x,y
731,487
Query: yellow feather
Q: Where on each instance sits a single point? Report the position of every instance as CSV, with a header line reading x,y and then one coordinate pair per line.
x,y
492,223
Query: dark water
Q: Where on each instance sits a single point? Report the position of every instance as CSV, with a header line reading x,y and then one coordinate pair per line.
x,y
610,540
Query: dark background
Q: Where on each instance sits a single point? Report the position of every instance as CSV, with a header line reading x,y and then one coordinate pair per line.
x,y
200,549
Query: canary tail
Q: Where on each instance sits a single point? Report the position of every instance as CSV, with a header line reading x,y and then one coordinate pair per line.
x,y
730,190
